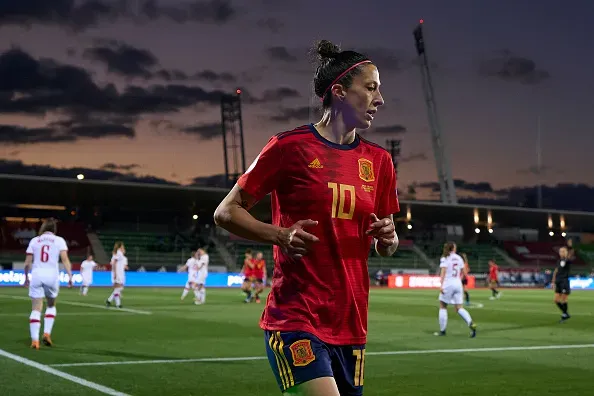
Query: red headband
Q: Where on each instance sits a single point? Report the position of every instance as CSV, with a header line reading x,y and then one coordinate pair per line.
x,y
344,73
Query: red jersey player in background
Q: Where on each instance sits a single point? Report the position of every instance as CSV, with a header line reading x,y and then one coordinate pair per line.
x,y
259,275
494,279
248,275
331,192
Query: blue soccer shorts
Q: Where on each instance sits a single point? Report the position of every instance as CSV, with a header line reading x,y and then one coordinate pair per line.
x,y
296,357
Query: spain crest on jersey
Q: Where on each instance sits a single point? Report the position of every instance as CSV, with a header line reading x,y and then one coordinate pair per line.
x,y
366,170
302,353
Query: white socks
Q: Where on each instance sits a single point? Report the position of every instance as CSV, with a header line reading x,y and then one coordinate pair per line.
x,y
443,319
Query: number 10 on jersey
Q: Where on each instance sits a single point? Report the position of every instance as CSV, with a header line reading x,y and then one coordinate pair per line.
x,y
339,194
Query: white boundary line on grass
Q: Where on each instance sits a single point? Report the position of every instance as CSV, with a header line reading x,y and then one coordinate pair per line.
x,y
79,304
66,376
410,352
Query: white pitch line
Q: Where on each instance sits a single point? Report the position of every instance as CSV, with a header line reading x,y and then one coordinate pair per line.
x,y
410,352
26,315
66,376
79,304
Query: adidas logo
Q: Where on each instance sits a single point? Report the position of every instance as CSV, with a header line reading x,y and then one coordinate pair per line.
x,y
316,164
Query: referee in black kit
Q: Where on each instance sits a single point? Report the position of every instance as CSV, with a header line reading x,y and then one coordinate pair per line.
x,y
561,282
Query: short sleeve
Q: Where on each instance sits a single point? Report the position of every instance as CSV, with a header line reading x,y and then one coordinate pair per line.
x,y
443,263
388,198
263,175
30,247
62,245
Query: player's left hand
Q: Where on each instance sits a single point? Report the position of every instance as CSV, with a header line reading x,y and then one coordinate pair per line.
x,y
383,230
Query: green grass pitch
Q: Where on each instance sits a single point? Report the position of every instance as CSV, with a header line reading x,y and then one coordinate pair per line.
x,y
162,346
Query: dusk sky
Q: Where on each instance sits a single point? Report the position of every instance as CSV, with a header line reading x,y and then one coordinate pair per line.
x,y
497,66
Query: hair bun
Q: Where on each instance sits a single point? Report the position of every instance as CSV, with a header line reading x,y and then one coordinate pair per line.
x,y
326,50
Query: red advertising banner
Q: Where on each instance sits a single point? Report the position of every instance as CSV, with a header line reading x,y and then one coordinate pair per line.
x,y
421,282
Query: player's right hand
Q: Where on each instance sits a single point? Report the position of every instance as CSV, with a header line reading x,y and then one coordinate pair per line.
x,y
295,240
26,284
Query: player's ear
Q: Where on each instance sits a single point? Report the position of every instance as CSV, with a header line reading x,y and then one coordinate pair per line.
x,y
338,91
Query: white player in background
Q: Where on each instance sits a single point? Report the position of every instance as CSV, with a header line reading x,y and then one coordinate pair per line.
x,y
200,291
45,252
119,265
452,292
192,267
86,271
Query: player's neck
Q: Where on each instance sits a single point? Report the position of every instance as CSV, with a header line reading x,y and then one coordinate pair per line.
x,y
332,128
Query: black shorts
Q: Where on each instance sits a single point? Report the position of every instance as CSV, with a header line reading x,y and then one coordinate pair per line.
x,y
562,287
464,281
296,357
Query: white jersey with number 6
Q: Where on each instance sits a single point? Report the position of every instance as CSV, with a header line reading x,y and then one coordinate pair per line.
x,y
452,283
45,274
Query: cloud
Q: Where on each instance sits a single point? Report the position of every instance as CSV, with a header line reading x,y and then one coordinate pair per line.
x,y
39,87
292,114
17,135
512,68
390,129
413,157
278,94
124,59
535,170
211,11
463,185
388,59
280,54
19,168
273,25
212,76
205,131
80,15
112,166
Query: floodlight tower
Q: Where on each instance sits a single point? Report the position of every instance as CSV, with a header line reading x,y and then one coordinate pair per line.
x,y
442,163
233,145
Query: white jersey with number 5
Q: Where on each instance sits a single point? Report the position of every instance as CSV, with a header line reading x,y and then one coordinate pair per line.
x,y
454,264
46,250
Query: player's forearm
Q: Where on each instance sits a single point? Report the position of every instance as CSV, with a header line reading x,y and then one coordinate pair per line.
x,y
240,222
386,251
68,267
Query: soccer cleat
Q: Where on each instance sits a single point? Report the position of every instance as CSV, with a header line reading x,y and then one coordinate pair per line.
x,y
258,300
107,303
564,318
47,340
35,345
119,306
472,330
440,333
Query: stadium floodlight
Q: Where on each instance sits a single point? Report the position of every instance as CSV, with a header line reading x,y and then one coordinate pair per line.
x,y
551,233
477,230
490,230
563,234
80,176
409,226
195,217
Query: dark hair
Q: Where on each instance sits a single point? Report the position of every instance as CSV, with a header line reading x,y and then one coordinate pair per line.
x,y
332,62
448,248
50,225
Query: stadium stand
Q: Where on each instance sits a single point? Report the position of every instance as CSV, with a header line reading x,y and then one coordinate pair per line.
x,y
478,254
538,254
15,237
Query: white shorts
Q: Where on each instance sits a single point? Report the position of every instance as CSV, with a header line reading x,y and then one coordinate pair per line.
x,y
201,278
120,279
44,285
87,281
452,294
189,283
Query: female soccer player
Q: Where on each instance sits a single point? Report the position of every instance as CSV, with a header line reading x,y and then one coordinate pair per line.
x,y
561,282
452,266
119,265
465,278
44,252
248,273
332,191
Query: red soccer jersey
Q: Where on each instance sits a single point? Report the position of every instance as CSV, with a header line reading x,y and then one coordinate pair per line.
x,y
493,272
326,292
247,271
259,269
